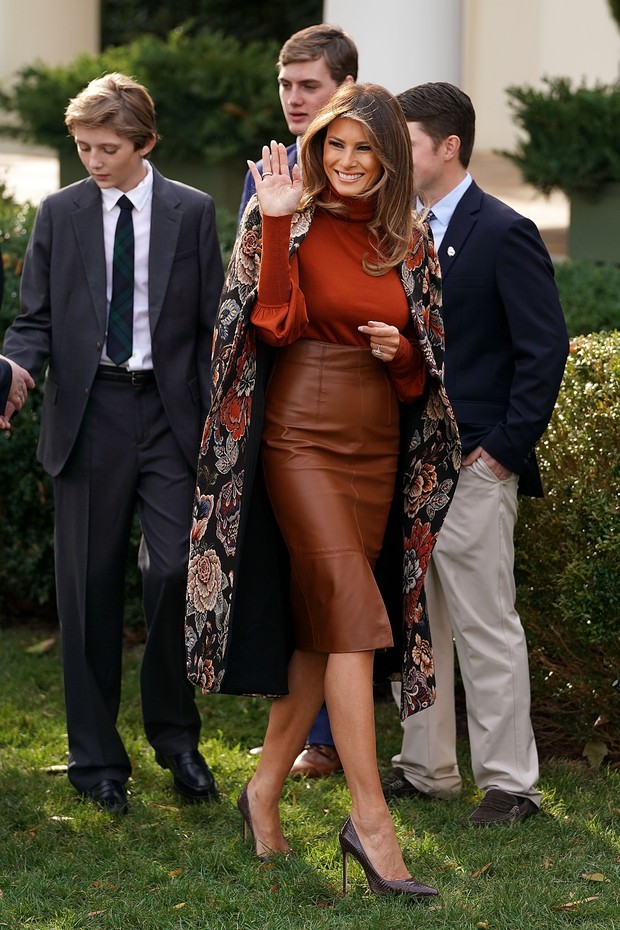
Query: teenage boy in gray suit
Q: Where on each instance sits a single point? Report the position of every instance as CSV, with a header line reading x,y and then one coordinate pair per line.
x,y
126,393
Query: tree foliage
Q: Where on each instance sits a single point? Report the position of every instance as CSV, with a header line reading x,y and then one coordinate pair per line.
x,y
215,98
571,136
123,21
614,8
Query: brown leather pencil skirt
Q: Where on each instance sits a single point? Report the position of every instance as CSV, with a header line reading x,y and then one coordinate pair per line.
x,y
330,449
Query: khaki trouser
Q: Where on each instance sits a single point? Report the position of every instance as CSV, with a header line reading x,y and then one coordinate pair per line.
x,y
471,597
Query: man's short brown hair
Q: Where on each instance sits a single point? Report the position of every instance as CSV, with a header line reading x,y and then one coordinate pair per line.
x,y
442,110
118,102
322,41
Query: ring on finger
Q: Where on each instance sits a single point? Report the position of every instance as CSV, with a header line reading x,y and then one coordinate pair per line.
x,y
377,351
267,174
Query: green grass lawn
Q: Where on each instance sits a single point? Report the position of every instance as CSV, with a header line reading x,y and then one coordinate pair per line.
x,y
168,864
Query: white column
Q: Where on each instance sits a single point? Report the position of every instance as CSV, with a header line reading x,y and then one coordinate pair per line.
x,y
55,31
402,42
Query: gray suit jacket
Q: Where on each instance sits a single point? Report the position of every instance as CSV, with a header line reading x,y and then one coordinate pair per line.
x,y
6,376
63,315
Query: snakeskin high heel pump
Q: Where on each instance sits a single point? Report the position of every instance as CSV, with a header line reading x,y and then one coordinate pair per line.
x,y
243,804
350,845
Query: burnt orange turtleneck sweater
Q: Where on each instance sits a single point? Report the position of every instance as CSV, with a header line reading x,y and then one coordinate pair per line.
x,y
325,294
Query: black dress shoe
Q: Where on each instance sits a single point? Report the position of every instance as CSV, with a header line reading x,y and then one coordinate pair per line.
x,y
191,775
109,794
395,785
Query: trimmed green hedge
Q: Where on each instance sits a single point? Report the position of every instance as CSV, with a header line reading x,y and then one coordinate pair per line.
x,y
26,544
568,555
590,296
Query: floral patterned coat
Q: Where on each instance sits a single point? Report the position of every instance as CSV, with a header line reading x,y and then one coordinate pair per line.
x,y
238,624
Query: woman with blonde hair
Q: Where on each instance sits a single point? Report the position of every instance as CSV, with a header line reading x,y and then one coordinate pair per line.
x,y
328,462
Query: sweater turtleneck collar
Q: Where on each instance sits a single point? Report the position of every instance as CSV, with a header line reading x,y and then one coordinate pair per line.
x,y
359,209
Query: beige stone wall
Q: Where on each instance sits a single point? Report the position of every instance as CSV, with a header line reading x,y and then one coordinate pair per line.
x,y
54,31
520,41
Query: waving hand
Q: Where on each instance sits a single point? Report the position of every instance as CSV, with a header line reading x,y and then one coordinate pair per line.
x,y
278,192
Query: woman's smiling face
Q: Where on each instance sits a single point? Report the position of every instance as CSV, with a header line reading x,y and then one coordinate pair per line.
x,y
350,164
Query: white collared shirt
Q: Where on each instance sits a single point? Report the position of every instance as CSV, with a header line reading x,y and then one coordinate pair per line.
x,y
442,210
142,199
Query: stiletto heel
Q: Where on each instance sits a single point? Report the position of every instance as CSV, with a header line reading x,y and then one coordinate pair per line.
x,y
350,844
243,804
244,809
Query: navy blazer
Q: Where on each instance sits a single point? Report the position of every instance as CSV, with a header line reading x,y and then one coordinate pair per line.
x,y
249,187
506,339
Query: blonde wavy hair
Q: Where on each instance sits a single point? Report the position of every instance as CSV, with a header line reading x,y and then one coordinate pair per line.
x,y
394,220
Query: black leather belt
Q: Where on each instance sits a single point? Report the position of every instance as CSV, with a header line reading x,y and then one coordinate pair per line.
x,y
123,376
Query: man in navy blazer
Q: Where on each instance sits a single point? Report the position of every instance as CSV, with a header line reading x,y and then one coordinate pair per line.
x,y
120,429
506,347
312,63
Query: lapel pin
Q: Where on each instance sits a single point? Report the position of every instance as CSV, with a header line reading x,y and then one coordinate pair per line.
x,y
451,251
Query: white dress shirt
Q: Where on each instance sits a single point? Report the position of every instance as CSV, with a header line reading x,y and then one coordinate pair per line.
x,y
442,210
141,198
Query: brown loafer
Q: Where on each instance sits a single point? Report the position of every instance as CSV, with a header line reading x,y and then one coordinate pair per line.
x,y
316,761
501,807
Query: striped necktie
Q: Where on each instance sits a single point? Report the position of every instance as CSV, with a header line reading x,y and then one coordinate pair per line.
x,y
120,321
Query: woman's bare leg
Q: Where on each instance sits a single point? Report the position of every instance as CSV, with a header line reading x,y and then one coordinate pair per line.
x,y
290,720
350,703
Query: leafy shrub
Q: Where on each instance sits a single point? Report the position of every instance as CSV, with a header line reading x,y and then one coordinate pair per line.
x,y
226,231
26,544
568,555
572,135
590,296
614,9
124,20
215,98
27,587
